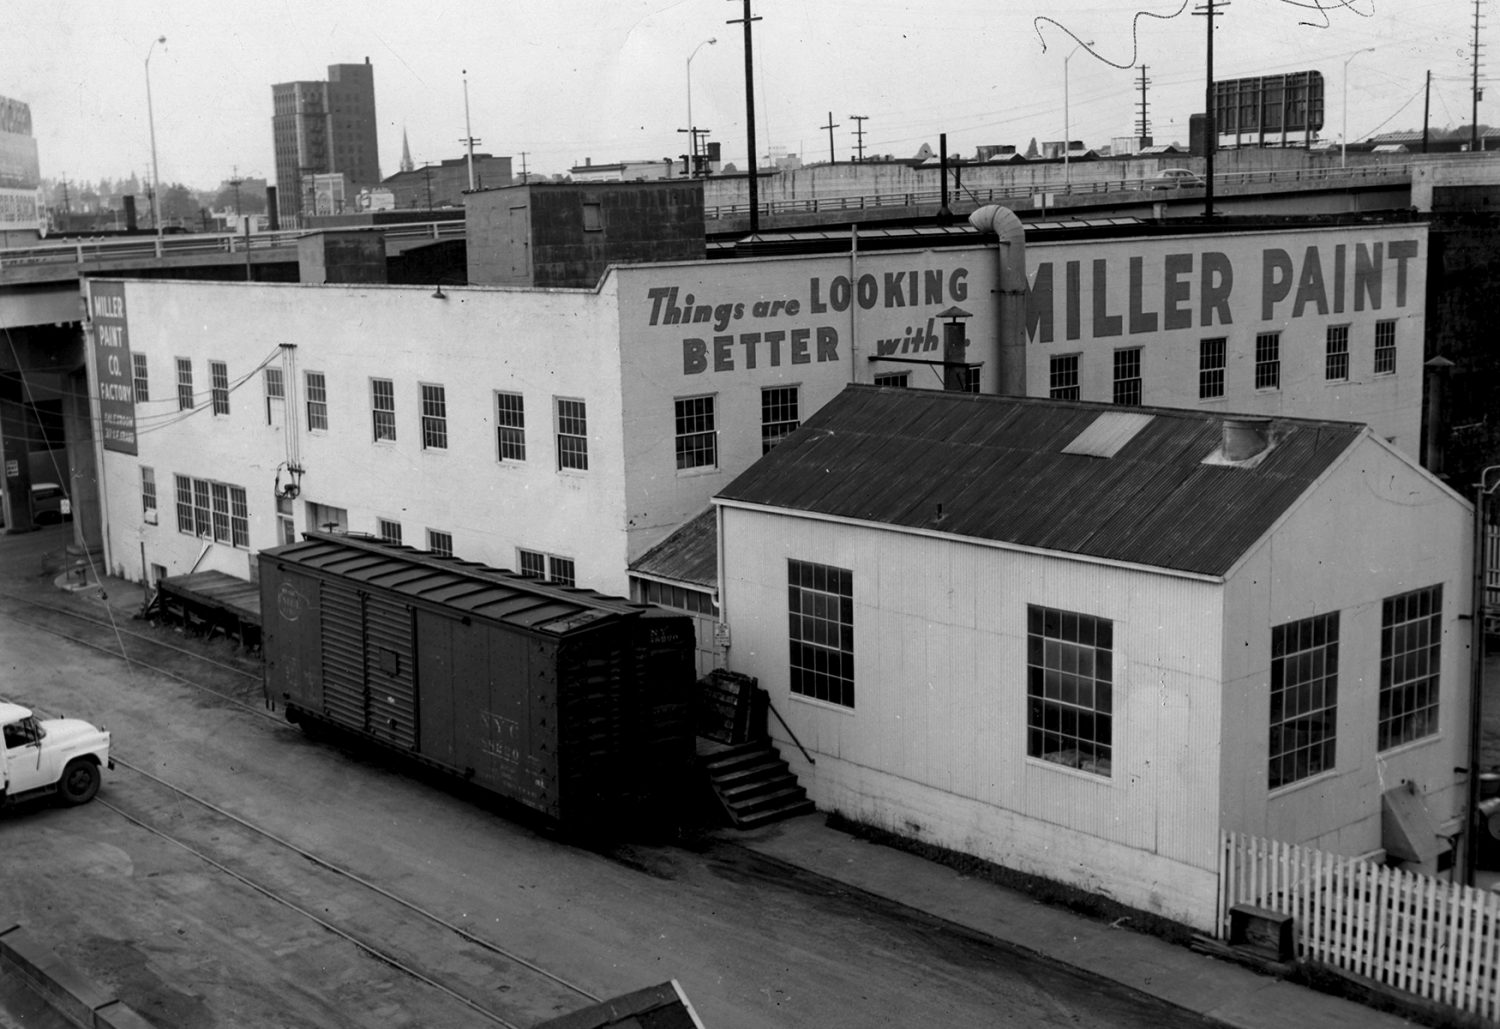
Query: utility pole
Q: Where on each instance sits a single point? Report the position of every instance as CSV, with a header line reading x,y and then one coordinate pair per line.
x,y
468,134
235,181
1210,124
1474,115
1426,110
859,133
830,127
427,174
1143,127
524,179
747,21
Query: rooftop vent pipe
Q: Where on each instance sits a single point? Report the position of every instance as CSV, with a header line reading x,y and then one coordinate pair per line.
x,y
1244,438
1010,290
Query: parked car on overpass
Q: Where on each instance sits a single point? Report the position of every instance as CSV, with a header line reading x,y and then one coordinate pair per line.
x,y
1174,178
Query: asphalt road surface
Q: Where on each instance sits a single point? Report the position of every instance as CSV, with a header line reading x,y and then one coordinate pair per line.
x,y
234,872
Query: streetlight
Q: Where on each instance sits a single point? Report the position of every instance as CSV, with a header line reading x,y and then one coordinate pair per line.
x,y
1067,125
1344,133
151,121
692,130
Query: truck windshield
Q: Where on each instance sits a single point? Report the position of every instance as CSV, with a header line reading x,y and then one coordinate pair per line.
x,y
19,734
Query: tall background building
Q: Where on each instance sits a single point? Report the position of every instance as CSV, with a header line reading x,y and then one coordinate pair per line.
x,y
322,128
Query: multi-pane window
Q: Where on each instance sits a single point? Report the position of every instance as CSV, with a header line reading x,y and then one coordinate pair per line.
x,y
1268,360
218,375
1385,347
1212,356
1336,354
387,530
1128,377
148,492
572,434
184,384
1070,689
286,525
275,394
510,427
140,379
383,408
552,568
680,598
1062,378
440,542
213,510
900,379
820,634
317,401
697,440
971,379
1410,649
1304,698
779,415
434,417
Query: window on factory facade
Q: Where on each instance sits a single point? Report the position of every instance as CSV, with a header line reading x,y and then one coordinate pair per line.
x,y
697,441
218,376
1268,360
1385,347
389,531
275,395
1304,698
1062,377
593,217
971,379
140,379
572,434
184,384
1336,354
317,402
148,493
213,510
1410,651
510,426
383,408
898,379
820,635
779,415
1212,355
440,542
1070,689
286,526
549,567
1128,377
434,417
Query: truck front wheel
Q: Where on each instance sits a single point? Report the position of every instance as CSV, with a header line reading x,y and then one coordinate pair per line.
x,y
80,781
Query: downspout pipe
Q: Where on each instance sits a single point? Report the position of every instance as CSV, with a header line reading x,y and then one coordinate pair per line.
x,y
1010,291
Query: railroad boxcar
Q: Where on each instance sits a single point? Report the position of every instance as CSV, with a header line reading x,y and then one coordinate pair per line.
x,y
569,702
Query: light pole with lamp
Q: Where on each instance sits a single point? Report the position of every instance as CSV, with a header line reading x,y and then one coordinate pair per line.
x,y
1483,490
1344,133
151,121
692,129
1067,124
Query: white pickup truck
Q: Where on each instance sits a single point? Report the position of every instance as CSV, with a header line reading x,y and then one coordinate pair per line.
x,y
40,756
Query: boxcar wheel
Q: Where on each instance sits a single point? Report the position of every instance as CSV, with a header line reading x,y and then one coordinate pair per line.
x,y
80,781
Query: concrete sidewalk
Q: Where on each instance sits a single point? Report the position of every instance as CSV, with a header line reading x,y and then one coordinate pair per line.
x,y
1217,989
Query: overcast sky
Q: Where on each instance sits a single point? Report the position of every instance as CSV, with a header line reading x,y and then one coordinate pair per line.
x,y
565,80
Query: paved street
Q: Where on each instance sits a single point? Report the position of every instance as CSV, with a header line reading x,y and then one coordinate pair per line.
x,y
754,943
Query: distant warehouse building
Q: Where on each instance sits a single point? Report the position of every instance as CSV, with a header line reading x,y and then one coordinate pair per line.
x,y
1081,641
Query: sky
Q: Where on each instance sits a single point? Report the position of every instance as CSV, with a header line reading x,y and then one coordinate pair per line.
x,y
561,81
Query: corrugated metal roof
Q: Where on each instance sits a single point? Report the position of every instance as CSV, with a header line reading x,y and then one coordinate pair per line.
x,y
465,586
689,555
996,468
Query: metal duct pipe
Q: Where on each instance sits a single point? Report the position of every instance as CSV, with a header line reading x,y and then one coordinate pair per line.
x,y
1010,289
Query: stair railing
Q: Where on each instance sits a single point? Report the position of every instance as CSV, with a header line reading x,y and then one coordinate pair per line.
x,y
767,698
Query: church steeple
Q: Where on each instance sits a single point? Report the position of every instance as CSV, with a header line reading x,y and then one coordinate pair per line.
x,y
406,164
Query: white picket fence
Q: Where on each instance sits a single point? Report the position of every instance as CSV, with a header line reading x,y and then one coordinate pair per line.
x,y
1426,936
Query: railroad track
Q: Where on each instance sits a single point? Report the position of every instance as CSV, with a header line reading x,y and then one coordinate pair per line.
x,y
501,985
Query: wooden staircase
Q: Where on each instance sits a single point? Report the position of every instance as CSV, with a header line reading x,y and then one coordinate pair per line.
x,y
753,784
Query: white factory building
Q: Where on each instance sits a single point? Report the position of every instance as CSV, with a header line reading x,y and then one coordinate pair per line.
x,y
567,431
1081,641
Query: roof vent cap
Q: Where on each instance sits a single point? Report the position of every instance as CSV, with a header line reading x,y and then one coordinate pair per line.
x,y
1246,438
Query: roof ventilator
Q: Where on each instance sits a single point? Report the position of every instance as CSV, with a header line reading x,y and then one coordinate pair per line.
x,y
1245,439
